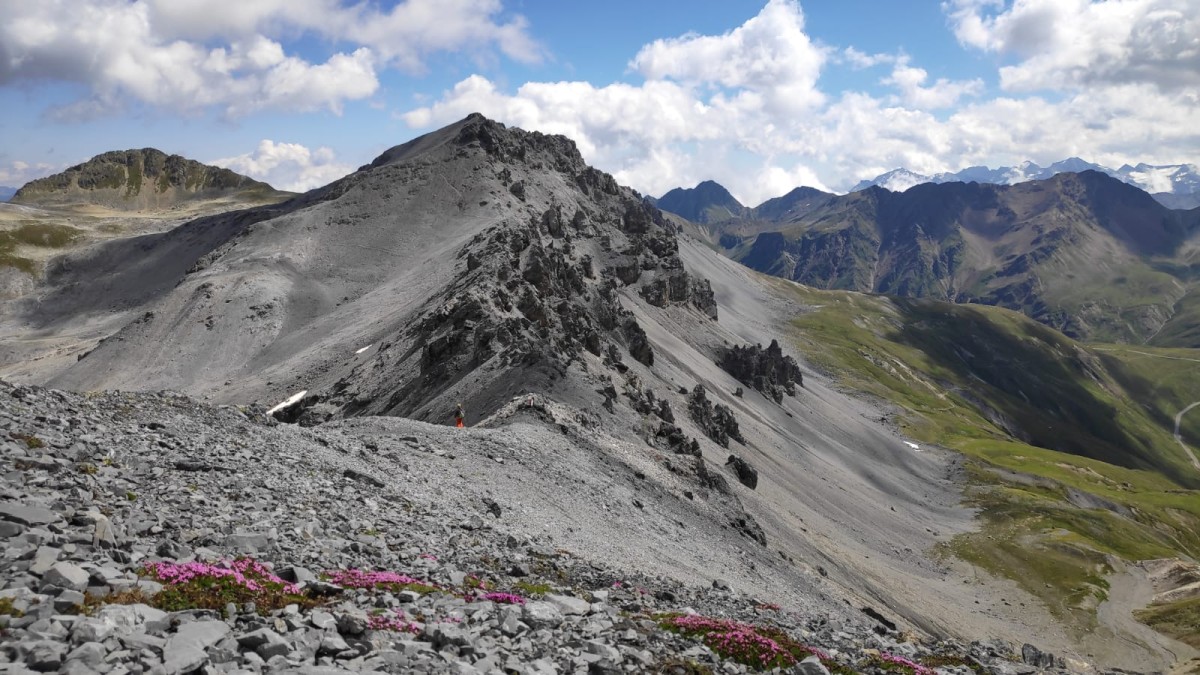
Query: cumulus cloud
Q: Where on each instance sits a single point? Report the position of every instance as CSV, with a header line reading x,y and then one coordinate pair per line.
x,y
17,173
190,55
943,93
1074,43
770,54
859,60
402,35
288,166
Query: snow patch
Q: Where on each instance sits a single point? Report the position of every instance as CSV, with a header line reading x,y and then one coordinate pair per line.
x,y
912,445
292,399
364,349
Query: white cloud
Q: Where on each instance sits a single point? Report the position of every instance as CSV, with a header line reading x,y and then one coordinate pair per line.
x,y
17,173
943,93
1073,43
770,54
189,55
402,35
860,60
288,166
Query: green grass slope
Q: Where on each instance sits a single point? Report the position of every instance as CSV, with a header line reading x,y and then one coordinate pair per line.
x,y
1074,461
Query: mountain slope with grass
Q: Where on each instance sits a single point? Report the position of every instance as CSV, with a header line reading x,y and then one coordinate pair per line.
x,y
1074,464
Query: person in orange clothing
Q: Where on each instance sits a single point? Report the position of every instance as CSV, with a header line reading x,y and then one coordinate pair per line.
x,y
460,416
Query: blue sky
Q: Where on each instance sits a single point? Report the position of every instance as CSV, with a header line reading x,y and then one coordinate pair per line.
x,y
761,96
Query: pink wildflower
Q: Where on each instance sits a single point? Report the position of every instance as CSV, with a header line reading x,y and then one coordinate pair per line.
x,y
355,578
917,668
393,623
504,598
250,574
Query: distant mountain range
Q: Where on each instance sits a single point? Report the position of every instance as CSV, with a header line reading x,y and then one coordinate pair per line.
x,y
1176,186
1086,253
7,192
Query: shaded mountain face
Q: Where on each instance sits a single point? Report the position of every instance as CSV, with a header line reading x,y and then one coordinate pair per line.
x,y
1084,253
729,224
144,179
708,202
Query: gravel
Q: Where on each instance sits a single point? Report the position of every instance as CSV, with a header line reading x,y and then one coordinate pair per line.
x,y
95,485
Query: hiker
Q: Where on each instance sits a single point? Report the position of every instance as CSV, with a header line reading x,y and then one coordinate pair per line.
x,y
460,416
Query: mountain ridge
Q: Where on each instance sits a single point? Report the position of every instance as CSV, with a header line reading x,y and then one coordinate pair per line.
x,y
140,179
1019,246
1173,185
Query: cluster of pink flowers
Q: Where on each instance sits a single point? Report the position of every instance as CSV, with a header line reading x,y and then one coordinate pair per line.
x,y
355,578
428,556
245,572
734,638
395,624
504,598
917,668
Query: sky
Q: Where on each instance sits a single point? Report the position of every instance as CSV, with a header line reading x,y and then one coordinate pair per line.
x,y
761,96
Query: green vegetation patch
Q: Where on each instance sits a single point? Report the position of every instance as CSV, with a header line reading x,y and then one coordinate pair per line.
x,y
531,589
1180,620
7,609
1183,329
42,235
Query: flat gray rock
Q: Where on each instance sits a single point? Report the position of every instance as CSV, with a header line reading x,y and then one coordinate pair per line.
x,y
568,604
27,515
541,615
185,650
66,575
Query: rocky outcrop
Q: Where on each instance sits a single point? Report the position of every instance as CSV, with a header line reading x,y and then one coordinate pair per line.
x,y
679,288
766,370
746,474
715,420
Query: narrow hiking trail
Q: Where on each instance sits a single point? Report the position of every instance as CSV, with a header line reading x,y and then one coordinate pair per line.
x,y
1179,416
1179,438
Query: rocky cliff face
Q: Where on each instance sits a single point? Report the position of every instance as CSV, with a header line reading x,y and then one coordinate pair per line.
x,y
139,180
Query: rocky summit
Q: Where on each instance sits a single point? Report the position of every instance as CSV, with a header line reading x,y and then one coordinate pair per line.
x,y
140,180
